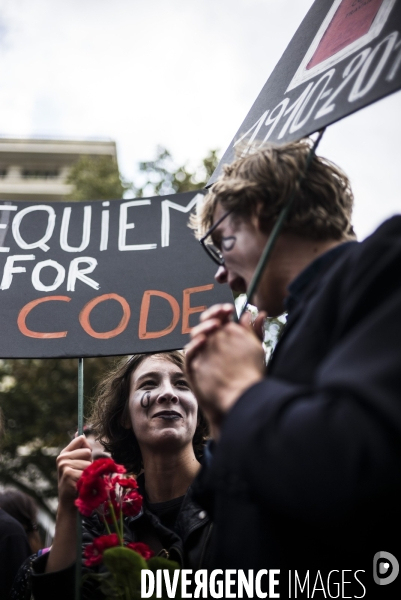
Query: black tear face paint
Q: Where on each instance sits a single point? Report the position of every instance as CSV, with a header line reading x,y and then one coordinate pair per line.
x,y
145,399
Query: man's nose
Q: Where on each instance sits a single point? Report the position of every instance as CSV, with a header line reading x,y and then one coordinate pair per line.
x,y
221,274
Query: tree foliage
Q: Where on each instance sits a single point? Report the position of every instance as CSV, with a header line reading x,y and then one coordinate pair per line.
x,y
39,402
163,176
96,178
273,327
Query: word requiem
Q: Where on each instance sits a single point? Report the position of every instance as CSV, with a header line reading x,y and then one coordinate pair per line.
x,y
216,584
79,267
101,278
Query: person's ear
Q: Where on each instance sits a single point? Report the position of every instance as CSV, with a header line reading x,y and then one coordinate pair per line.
x,y
255,220
260,222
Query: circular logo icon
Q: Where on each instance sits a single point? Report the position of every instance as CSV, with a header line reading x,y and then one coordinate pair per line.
x,y
385,568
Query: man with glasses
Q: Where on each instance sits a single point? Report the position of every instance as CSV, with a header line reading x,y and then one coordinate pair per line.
x,y
307,456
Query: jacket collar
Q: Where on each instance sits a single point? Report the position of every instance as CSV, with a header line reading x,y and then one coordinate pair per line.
x,y
304,286
190,517
301,284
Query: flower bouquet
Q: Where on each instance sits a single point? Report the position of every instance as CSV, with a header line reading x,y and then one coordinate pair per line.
x,y
104,488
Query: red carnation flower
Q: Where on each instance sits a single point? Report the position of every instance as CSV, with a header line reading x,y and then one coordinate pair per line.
x,y
142,549
92,492
132,503
125,482
94,552
103,466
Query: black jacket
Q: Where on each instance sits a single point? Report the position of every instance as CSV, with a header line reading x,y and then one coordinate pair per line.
x,y
14,549
188,545
307,472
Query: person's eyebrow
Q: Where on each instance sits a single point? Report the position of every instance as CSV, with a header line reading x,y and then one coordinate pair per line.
x,y
156,375
179,375
148,375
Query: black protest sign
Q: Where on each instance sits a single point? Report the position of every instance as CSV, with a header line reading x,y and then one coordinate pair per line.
x,y
345,55
101,278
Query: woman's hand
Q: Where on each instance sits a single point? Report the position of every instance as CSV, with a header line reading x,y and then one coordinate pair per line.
x,y
70,464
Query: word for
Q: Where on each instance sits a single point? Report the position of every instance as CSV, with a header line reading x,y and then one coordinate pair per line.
x,y
216,584
143,333
336,584
318,99
75,271
49,215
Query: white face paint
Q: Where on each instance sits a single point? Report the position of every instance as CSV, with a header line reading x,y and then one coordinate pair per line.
x,y
162,408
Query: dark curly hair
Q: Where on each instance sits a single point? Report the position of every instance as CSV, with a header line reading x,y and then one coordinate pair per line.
x,y
109,408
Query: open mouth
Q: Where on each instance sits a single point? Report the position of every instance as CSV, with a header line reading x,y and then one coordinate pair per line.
x,y
167,414
238,285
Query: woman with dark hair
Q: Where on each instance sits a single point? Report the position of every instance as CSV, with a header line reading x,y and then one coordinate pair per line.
x,y
111,412
23,508
147,417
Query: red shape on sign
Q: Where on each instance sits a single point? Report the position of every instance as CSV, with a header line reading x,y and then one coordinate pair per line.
x,y
24,312
187,309
104,335
144,314
352,20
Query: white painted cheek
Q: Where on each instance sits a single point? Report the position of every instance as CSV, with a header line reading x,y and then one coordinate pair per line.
x,y
191,409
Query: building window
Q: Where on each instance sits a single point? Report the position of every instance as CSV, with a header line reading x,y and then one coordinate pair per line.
x,y
3,173
40,173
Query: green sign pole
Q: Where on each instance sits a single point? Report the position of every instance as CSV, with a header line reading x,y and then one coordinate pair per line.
x,y
79,517
264,259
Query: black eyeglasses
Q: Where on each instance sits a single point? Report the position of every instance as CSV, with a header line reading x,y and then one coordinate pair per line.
x,y
215,253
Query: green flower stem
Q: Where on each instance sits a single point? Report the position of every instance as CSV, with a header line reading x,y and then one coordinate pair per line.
x,y
121,520
118,532
107,525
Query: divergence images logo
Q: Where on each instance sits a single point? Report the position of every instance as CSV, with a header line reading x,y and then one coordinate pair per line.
x,y
385,564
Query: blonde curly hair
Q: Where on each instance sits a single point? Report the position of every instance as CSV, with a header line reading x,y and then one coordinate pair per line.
x,y
262,182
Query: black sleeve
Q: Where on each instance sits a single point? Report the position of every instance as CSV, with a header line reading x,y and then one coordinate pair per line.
x,y
14,549
61,584
48,586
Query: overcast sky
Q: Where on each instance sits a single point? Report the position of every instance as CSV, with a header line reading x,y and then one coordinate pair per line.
x,y
182,74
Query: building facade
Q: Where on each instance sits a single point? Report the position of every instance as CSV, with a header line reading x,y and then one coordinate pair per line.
x,y
37,169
